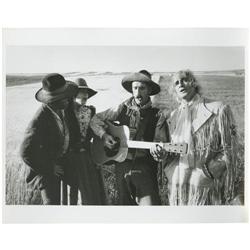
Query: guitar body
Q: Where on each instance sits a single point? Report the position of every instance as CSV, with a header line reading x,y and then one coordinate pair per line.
x,y
98,151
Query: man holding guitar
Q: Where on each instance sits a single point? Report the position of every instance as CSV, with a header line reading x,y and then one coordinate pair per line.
x,y
136,177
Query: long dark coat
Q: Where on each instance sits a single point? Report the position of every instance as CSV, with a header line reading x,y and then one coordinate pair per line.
x,y
42,146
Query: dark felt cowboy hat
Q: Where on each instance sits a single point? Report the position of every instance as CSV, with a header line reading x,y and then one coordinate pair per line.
x,y
55,88
142,76
82,84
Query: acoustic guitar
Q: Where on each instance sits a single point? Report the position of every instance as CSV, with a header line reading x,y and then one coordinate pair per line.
x,y
101,154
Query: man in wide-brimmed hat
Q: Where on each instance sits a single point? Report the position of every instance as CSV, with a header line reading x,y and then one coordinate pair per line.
x,y
49,137
136,176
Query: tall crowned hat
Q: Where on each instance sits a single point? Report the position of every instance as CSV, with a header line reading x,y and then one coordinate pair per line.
x,y
54,88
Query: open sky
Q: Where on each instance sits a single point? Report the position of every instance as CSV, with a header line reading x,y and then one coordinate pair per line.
x,y
62,59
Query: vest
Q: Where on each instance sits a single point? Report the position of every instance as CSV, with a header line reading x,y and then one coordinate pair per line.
x,y
141,123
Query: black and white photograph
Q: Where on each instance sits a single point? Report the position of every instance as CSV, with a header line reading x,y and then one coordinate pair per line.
x,y
120,125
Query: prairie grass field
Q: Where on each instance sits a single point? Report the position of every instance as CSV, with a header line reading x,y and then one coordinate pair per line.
x,y
21,105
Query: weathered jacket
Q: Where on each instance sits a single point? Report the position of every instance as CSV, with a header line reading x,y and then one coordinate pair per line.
x,y
141,122
214,137
43,142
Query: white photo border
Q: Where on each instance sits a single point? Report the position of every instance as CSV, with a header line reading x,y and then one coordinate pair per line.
x,y
125,37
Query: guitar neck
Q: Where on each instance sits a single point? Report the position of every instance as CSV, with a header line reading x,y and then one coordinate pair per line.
x,y
141,144
169,147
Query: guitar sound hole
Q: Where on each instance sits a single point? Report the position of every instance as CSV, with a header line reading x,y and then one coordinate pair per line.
x,y
112,152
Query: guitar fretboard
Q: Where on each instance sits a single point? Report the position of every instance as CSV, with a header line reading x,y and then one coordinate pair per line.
x,y
141,144
170,147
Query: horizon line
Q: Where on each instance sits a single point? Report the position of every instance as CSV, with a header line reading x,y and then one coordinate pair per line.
x,y
121,72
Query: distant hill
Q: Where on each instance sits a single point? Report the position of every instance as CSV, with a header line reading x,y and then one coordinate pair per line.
x,y
25,78
237,72
21,79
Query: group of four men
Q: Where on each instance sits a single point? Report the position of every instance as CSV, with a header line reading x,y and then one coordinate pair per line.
x,y
57,143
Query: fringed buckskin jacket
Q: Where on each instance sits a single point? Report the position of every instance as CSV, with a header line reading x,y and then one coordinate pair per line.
x,y
214,138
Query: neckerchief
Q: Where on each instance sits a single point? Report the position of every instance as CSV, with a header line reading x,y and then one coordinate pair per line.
x,y
145,106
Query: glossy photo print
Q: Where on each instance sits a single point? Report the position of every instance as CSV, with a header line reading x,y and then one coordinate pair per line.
x,y
103,128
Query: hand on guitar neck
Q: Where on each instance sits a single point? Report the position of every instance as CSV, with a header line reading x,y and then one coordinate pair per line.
x,y
157,152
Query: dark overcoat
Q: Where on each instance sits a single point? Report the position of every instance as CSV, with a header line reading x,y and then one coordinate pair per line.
x,y
42,146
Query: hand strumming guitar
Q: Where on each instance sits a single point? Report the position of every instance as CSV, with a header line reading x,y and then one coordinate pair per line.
x,y
109,141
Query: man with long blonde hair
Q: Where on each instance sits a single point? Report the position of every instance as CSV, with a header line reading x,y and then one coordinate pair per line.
x,y
206,175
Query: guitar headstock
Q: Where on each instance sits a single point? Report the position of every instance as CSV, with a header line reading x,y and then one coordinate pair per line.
x,y
178,148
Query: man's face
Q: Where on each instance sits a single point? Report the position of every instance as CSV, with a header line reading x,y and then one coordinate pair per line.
x,y
184,88
60,104
82,96
141,92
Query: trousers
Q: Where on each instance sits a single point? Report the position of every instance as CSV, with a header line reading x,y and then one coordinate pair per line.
x,y
50,192
136,179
